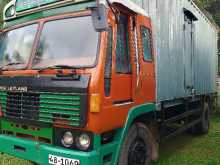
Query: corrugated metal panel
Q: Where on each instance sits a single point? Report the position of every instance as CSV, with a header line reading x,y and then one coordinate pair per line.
x,y
182,61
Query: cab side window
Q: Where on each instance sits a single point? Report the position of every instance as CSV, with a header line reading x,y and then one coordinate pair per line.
x,y
146,43
122,48
108,63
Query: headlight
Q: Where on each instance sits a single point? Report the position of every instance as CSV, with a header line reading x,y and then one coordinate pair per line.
x,y
83,142
68,139
10,11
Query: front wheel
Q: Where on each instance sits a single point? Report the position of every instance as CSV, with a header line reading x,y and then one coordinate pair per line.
x,y
136,149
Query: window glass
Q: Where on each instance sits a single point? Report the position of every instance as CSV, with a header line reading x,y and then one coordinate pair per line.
x,y
122,49
146,43
16,45
71,41
108,62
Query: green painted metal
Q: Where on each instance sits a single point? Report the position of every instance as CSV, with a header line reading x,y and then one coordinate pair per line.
x,y
96,142
39,153
60,96
17,128
60,106
55,107
22,5
3,100
132,115
50,12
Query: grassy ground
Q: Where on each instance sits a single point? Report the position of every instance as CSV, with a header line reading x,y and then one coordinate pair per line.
x,y
187,149
184,149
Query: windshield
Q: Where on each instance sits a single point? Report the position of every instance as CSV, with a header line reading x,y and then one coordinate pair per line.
x,y
16,45
71,41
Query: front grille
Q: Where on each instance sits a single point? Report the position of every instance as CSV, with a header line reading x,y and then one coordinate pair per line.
x,y
46,107
22,105
60,108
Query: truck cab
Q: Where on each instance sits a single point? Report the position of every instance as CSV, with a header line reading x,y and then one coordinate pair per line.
x,y
71,71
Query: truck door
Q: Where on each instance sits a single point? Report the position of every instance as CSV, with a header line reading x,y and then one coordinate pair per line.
x,y
122,73
146,86
188,54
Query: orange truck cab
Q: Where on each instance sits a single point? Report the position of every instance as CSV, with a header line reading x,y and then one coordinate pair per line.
x,y
78,85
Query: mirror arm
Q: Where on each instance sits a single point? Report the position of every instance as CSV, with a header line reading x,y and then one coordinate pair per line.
x,y
113,11
99,17
98,11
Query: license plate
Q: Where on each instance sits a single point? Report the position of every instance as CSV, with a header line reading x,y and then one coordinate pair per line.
x,y
58,160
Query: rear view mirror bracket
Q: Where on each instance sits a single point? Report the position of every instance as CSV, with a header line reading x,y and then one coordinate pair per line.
x,y
99,18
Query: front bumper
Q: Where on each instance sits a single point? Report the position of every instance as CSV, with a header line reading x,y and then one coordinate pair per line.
x,y
38,152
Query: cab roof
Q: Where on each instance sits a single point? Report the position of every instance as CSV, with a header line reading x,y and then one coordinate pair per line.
x,y
29,7
128,4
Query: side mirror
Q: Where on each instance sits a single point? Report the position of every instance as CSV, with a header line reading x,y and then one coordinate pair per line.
x,y
99,18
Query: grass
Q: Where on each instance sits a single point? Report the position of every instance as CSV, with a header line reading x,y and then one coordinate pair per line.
x,y
9,160
187,149
184,149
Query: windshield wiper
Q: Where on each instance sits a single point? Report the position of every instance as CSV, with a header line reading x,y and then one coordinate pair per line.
x,y
57,67
61,75
10,64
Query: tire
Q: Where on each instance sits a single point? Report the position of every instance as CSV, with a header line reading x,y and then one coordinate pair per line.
x,y
213,106
203,126
136,149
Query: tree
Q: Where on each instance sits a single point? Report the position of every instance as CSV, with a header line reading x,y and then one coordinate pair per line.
x,y
213,7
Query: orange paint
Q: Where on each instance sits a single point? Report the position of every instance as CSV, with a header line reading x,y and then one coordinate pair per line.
x,y
124,87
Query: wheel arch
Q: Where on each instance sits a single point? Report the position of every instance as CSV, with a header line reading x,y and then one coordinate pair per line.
x,y
135,114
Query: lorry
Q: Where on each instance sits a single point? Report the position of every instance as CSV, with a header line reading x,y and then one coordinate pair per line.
x,y
103,82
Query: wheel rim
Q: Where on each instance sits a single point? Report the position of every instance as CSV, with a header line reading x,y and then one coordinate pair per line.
x,y
137,152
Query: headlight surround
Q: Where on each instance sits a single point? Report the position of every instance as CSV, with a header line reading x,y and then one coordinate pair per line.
x,y
73,139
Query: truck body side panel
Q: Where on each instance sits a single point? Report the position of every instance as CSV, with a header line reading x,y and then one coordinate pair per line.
x,y
186,52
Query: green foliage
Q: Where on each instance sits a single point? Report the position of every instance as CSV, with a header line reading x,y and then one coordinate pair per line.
x,y
217,18
213,7
207,3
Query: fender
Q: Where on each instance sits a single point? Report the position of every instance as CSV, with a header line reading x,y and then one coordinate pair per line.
x,y
132,115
